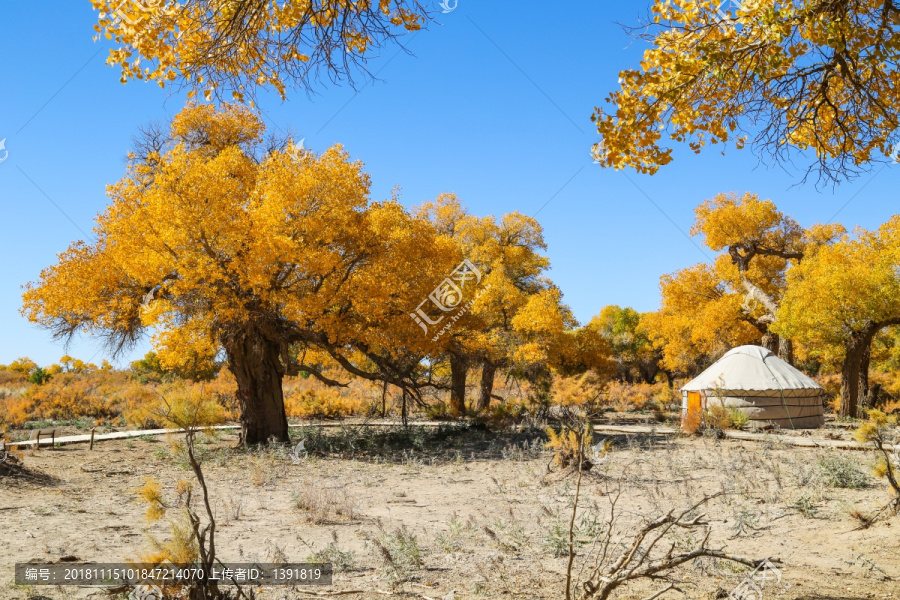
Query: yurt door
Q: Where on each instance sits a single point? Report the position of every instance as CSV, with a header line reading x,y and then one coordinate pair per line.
x,y
693,404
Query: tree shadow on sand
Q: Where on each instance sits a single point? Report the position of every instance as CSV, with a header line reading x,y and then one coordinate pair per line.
x,y
13,473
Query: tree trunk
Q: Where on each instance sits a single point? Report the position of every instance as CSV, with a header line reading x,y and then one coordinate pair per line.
x,y
855,372
770,342
255,363
670,378
854,349
403,414
488,370
458,371
649,369
864,373
755,293
873,395
786,350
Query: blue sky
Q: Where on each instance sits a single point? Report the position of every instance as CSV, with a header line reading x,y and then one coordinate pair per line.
x,y
493,104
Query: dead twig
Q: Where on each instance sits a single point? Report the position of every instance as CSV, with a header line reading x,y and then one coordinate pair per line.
x,y
651,553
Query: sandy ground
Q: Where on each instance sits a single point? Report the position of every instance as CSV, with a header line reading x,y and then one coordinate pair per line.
x,y
480,508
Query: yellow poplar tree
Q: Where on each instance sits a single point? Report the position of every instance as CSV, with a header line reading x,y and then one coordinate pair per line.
x,y
636,359
496,335
810,78
843,295
241,45
759,244
699,319
708,309
219,243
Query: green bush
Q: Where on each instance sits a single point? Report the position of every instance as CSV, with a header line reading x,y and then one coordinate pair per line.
x,y
840,471
738,418
39,376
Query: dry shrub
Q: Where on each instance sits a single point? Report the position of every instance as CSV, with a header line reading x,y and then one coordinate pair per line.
x,y
142,401
265,469
13,379
714,417
717,417
400,554
67,396
100,395
504,414
318,404
438,411
139,399
11,460
222,389
14,411
666,397
864,521
327,505
307,398
180,547
181,399
738,418
691,422
622,396
568,443
583,391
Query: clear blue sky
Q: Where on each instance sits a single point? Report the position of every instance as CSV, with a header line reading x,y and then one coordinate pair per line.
x,y
494,104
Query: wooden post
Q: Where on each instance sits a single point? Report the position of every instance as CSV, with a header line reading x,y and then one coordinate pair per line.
x,y
91,447
53,439
37,443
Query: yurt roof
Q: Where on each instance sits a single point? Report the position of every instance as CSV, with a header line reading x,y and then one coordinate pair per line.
x,y
751,368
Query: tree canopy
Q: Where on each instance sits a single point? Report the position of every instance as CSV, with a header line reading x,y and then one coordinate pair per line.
x,y
708,309
518,321
222,243
700,318
843,295
217,242
233,47
626,332
812,80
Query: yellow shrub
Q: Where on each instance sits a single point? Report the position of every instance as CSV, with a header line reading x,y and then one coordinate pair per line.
x,y
584,391
143,403
566,444
624,396
151,494
718,417
691,422
179,549
67,396
321,404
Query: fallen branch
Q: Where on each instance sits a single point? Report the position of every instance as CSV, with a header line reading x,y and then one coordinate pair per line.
x,y
651,555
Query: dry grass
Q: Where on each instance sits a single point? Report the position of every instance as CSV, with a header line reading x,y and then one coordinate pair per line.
x,y
327,504
477,520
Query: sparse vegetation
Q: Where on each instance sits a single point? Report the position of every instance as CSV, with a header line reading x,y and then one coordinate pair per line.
x,y
840,471
399,553
340,559
327,504
806,506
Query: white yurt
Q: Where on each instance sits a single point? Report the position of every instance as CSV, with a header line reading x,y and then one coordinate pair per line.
x,y
761,385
